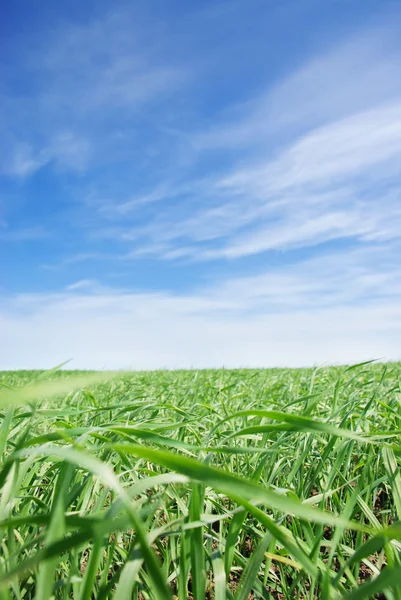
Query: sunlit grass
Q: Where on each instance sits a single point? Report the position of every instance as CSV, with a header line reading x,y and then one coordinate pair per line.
x,y
212,484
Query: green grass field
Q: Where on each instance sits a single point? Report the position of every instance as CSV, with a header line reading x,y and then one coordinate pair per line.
x,y
210,484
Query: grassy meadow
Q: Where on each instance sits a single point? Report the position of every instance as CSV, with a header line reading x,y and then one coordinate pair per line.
x,y
238,484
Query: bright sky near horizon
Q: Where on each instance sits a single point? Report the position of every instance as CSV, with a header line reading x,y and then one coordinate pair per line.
x,y
199,184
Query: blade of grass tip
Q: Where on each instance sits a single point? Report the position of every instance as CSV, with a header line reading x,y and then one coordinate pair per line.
x,y
8,489
48,372
306,424
281,534
92,568
219,576
391,466
14,539
236,524
184,566
129,575
50,389
46,576
108,566
108,478
232,537
301,423
284,560
388,579
372,545
338,532
251,572
335,394
4,430
361,364
197,552
5,594
69,543
233,485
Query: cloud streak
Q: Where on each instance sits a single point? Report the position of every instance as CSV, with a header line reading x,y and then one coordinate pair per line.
x,y
338,181
351,76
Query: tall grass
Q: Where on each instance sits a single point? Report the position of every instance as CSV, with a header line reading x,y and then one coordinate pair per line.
x,y
214,484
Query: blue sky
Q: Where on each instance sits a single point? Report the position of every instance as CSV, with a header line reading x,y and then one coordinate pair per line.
x,y
200,184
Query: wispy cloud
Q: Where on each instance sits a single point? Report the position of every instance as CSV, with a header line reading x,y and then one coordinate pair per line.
x,y
92,76
337,179
23,161
66,150
82,284
22,234
352,75
110,61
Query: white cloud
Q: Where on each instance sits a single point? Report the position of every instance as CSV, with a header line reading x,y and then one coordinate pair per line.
x,y
347,277
22,161
333,153
303,190
342,307
120,333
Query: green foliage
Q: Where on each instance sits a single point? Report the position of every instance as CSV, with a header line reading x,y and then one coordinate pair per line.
x,y
275,484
